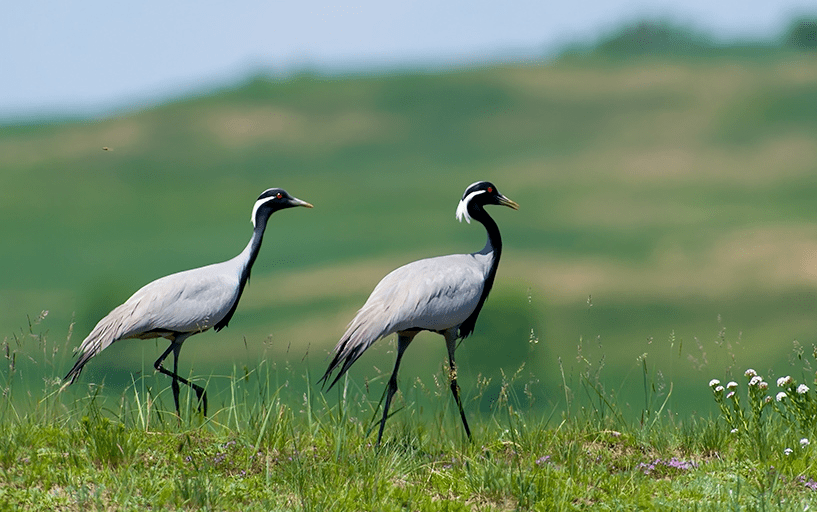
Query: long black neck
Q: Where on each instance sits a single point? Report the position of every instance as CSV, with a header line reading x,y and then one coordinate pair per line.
x,y
245,261
254,247
493,247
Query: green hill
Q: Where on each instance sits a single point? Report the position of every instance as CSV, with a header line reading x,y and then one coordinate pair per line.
x,y
667,208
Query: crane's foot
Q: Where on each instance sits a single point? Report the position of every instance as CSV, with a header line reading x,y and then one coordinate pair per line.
x,y
201,395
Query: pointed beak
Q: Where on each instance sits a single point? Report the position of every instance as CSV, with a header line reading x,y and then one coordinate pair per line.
x,y
297,202
504,201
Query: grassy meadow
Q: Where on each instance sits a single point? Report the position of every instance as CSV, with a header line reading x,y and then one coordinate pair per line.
x,y
667,235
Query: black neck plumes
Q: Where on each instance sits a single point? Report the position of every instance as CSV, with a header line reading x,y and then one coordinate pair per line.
x,y
254,246
246,260
493,247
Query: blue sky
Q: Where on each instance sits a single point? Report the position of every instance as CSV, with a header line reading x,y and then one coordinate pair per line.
x,y
97,57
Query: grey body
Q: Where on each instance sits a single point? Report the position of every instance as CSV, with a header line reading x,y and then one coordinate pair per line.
x,y
433,294
180,305
443,295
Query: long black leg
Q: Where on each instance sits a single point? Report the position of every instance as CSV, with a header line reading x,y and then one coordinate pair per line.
x,y
402,343
450,343
176,347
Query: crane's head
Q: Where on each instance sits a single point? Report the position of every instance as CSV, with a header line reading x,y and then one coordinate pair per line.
x,y
478,195
272,200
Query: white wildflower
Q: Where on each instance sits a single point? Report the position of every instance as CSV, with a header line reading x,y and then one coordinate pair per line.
x,y
719,389
787,451
750,373
733,431
755,380
732,385
804,442
731,394
784,381
714,382
802,389
763,386
780,396
767,400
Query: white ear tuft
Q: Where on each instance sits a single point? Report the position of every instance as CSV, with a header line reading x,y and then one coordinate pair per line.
x,y
257,206
462,208
462,212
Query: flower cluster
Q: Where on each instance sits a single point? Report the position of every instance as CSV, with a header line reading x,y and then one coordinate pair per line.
x,y
737,418
796,404
543,460
803,444
810,483
664,466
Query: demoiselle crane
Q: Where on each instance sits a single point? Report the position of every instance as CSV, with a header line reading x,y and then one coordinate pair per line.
x,y
443,295
180,305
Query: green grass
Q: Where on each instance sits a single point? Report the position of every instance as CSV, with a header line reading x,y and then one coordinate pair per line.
x,y
270,447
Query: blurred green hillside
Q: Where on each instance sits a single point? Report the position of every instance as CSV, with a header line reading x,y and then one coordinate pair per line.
x,y
668,208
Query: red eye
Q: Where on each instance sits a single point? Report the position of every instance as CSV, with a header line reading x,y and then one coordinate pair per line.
x,y
279,195
490,189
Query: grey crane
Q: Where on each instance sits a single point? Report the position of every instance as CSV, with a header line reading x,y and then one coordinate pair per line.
x,y
443,295
180,305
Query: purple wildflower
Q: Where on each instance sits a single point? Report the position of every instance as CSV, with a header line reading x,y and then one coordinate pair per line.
x,y
543,460
810,483
674,464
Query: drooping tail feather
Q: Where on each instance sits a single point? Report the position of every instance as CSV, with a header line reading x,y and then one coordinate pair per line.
x,y
115,326
391,307
359,336
99,338
348,355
